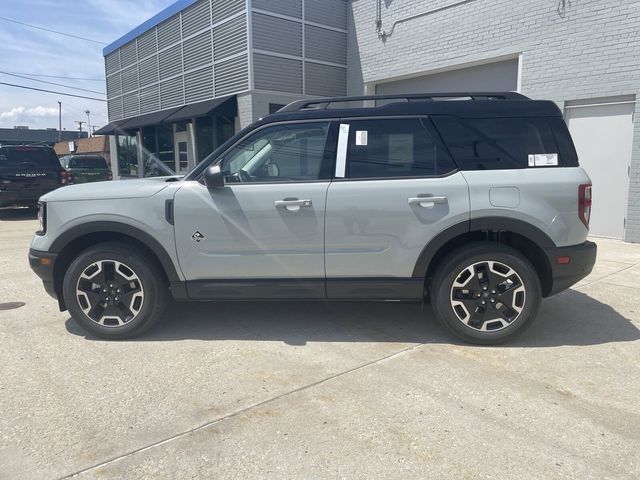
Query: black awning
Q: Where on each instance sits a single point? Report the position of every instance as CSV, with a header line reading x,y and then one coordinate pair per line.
x,y
147,119
112,128
226,106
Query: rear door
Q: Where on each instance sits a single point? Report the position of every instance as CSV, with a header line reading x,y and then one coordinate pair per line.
x,y
29,171
395,189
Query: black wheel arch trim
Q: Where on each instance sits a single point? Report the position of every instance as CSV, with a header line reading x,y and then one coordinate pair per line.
x,y
490,224
124,229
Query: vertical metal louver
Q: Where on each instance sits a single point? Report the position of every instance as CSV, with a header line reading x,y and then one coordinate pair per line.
x,y
230,38
325,80
198,85
276,34
131,105
112,62
197,51
171,93
115,109
221,9
195,18
292,8
231,76
129,79
128,54
114,85
170,62
327,12
147,44
148,71
150,99
277,74
325,45
169,32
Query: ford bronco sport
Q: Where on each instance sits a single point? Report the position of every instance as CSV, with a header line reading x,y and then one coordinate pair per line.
x,y
476,205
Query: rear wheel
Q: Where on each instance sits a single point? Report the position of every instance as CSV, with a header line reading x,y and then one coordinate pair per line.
x,y
115,291
486,293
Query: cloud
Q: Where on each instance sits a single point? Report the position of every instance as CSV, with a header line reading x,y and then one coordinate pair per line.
x,y
28,115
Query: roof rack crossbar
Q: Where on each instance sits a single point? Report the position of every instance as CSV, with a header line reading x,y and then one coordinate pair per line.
x,y
323,103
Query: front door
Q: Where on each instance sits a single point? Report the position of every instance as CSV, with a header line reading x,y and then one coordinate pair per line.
x,y
262,234
396,189
183,160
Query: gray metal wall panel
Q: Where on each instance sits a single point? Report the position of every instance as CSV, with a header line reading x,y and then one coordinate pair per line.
x,y
326,45
230,38
278,74
171,93
221,9
131,105
128,54
112,62
148,70
277,35
231,76
115,109
293,8
170,61
169,32
195,18
325,80
129,79
328,12
198,85
150,99
197,51
147,44
114,85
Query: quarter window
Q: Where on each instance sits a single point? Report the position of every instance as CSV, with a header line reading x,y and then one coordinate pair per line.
x,y
394,148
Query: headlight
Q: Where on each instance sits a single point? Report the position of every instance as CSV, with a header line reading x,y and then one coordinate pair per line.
x,y
42,218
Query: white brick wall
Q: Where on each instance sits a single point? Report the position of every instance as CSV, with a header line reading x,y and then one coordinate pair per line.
x,y
592,50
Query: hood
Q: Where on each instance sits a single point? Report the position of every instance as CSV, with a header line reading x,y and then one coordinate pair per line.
x,y
109,190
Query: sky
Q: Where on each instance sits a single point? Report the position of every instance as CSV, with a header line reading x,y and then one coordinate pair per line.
x,y
30,52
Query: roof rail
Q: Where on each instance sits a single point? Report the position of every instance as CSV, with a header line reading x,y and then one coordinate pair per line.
x,y
324,103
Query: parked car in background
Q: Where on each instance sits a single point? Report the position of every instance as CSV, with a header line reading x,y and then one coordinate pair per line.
x,y
27,172
86,168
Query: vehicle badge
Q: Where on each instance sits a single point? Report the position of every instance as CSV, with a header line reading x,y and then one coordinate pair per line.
x,y
197,237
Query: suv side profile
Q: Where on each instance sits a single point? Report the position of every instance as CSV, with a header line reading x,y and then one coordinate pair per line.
x,y
476,205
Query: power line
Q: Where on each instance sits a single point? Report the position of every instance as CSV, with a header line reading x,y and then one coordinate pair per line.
x,y
51,91
51,31
52,83
57,76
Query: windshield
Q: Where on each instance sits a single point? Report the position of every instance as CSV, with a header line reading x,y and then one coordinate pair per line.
x,y
28,157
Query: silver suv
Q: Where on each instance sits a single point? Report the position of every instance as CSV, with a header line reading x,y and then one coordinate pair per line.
x,y
476,205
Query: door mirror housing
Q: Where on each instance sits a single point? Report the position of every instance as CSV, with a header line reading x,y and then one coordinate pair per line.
x,y
213,177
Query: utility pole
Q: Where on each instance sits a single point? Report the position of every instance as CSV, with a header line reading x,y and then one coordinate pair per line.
x,y
59,121
88,121
80,126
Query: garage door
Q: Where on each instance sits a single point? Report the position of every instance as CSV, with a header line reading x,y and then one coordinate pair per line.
x,y
603,134
492,77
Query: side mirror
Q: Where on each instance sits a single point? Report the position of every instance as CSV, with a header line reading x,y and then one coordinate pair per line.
x,y
213,177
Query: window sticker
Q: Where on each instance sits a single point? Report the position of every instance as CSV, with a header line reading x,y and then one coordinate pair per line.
x,y
543,160
362,138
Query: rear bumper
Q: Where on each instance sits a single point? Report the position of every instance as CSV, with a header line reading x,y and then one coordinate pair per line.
x,y
582,256
9,198
42,264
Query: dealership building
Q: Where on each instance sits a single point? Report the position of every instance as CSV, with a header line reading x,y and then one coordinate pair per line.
x,y
187,79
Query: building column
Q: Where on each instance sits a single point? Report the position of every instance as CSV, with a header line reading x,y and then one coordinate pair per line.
x,y
192,145
113,153
140,153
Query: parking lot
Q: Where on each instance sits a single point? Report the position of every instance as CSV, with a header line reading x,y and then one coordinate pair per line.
x,y
320,390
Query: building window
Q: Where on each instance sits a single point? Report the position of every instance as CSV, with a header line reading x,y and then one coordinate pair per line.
x,y
204,137
127,156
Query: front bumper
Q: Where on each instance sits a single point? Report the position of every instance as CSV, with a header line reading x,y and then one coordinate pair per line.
x,y
582,258
42,264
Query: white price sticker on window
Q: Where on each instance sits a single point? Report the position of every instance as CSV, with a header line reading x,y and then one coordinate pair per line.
x,y
362,138
543,160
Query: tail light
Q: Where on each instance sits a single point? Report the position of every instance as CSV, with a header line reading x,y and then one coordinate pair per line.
x,y
584,203
66,178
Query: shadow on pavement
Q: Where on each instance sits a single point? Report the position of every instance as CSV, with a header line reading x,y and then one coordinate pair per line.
x,y
572,318
13,214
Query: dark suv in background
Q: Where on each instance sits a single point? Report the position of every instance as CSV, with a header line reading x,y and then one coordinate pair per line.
x,y
86,168
27,172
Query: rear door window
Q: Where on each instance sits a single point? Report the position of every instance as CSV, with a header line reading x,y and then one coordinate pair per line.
x,y
28,157
498,143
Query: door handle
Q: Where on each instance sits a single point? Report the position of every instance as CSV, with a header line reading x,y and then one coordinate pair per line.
x,y
427,202
293,204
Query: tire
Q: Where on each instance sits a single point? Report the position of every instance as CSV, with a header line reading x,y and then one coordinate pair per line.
x,y
511,299
132,293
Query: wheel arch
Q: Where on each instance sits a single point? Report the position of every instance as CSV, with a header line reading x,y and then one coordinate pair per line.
x,y
527,239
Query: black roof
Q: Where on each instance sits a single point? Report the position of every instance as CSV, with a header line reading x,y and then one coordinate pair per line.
x,y
462,104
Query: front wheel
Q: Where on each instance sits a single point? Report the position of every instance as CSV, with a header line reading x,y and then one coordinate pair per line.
x,y
115,291
486,293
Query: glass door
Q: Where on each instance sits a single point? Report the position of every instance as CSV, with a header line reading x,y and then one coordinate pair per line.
x,y
182,153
